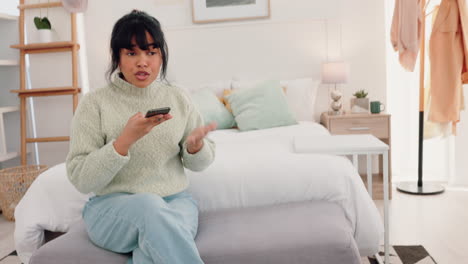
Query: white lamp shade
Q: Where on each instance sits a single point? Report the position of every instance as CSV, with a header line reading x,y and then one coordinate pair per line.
x,y
75,6
335,72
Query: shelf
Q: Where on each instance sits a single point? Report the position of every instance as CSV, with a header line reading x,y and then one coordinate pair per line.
x,y
41,5
47,139
47,47
47,91
8,63
8,109
8,16
8,156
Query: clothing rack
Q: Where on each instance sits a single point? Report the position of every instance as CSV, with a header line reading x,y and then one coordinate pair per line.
x,y
420,187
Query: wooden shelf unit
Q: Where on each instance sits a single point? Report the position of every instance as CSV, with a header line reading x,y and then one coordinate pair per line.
x,y
52,47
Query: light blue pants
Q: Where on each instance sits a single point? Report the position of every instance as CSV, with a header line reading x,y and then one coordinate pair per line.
x,y
156,229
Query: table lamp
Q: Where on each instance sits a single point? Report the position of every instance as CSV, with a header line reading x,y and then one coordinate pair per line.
x,y
335,73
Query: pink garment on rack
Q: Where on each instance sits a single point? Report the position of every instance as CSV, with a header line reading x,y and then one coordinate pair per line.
x,y
406,31
462,7
447,53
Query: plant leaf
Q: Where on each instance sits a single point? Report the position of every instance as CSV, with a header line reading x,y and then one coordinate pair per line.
x,y
42,23
37,22
46,21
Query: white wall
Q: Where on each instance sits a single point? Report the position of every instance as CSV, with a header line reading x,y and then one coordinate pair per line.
x,y
365,53
205,46
9,7
363,46
461,150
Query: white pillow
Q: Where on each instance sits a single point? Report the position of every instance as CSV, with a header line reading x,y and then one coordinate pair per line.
x,y
216,87
301,95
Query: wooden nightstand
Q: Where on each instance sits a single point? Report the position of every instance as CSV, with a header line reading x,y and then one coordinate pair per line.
x,y
375,124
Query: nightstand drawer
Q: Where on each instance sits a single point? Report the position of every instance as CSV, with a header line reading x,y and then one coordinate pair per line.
x,y
377,126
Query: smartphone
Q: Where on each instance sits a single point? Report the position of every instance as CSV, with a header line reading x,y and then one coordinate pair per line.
x,y
158,111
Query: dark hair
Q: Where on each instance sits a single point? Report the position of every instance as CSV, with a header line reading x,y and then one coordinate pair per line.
x,y
136,24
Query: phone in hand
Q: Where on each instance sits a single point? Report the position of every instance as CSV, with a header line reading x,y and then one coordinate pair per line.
x,y
158,111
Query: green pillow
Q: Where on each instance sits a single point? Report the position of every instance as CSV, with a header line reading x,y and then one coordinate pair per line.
x,y
262,106
212,110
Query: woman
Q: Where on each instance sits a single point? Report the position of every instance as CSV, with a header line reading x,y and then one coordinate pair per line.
x,y
134,165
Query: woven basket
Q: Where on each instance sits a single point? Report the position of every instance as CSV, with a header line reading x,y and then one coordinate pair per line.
x,y
14,182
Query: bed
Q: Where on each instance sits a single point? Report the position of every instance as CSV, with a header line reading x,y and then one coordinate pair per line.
x,y
252,169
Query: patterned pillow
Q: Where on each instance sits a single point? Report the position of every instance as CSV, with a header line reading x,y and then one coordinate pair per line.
x,y
212,109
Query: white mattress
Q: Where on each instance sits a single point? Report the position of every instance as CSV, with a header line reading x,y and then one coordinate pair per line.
x,y
251,168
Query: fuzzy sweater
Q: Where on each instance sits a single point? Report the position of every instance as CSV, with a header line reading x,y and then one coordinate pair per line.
x,y
155,163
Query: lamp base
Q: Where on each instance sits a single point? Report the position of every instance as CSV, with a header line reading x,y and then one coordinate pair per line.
x,y
426,189
332,112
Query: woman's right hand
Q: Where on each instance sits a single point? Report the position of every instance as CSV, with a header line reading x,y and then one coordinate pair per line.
x,y
137,127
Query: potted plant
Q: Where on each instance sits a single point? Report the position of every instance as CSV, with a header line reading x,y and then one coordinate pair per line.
x,y
360,104
44,28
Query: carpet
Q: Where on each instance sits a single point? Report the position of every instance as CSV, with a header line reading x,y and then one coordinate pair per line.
x,y
405,255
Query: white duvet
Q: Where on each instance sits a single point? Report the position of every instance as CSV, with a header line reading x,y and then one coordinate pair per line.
x,y
251,168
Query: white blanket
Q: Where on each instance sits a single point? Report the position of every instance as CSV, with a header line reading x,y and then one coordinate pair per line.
x,y
251,168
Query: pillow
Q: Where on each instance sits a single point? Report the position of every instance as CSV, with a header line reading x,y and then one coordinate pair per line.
x,y
217,87
230,91
212,110
300,95
225,101
263,106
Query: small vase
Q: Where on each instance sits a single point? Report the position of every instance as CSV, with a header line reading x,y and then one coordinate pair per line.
x,y
45,35
359,105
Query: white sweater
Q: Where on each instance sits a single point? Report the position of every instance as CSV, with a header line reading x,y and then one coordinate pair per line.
x,y
154,163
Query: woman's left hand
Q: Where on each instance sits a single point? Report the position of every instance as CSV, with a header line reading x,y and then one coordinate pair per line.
x,y
195,139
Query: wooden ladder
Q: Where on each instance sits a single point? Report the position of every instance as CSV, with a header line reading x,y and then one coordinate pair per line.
x,y
23,93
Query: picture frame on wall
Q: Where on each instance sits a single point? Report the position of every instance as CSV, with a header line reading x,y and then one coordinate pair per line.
x,y
210,11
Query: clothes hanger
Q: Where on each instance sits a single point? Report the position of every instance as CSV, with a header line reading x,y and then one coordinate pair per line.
x,y
420,187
